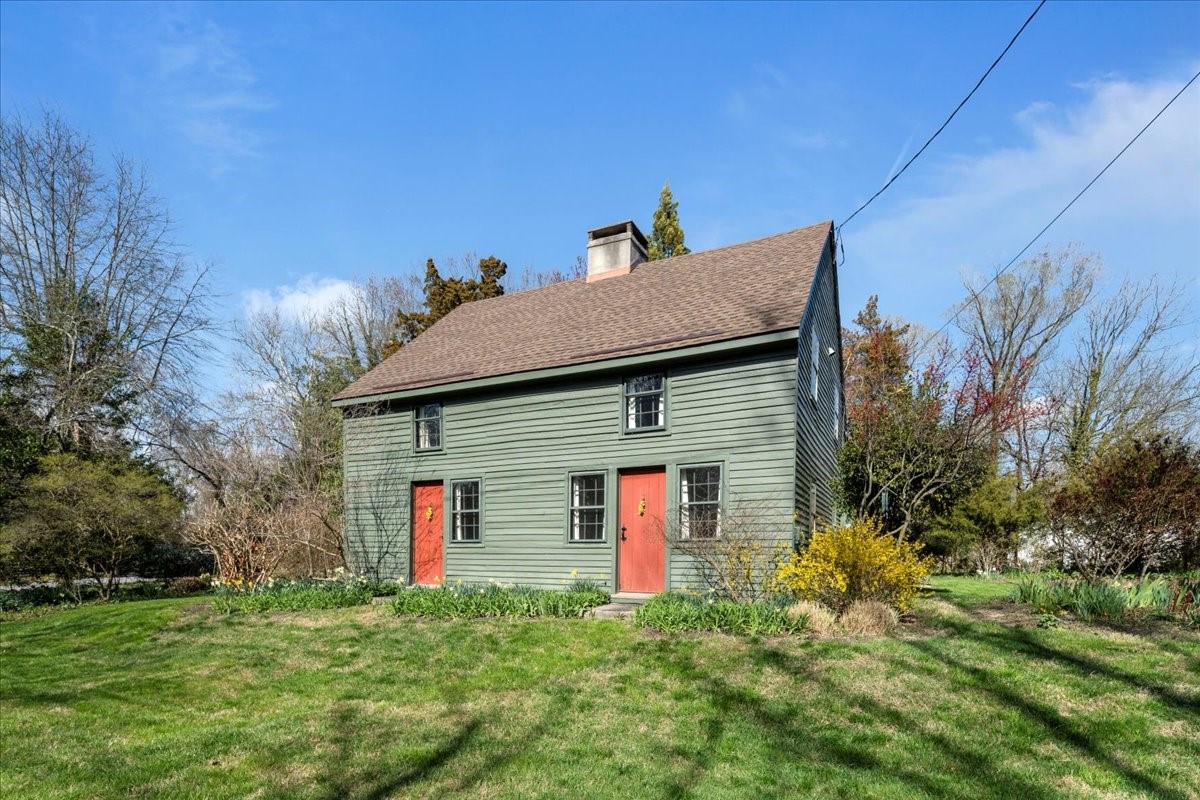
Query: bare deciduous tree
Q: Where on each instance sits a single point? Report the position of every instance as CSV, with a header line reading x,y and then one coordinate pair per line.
x,y
1127,376
100,311
530,278
357,327
1015,322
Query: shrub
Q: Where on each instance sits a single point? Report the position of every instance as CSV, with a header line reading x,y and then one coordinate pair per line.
x,y
89,518
673,612
169,559
28,597
737,564
462,601
182,587
842,564
821,621
290,595
868,618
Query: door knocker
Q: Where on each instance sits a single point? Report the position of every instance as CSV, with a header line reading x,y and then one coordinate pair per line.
x,y
642,508
429,514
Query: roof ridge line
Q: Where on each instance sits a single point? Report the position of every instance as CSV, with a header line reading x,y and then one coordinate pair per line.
x,y
828,222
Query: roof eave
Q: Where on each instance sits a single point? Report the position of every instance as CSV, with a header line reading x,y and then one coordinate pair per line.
x,y
722,347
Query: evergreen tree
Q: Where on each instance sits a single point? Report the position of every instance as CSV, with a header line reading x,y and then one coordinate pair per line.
x,y
443,295
666,238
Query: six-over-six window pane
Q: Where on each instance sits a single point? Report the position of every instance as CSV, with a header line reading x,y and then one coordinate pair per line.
x,y
428,432
700,501
466,525
645,406
587,507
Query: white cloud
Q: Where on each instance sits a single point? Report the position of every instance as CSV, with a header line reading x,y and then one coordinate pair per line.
x,y
977,211
194,77
308,297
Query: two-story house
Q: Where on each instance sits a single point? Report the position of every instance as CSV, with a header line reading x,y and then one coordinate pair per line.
x,y
568,429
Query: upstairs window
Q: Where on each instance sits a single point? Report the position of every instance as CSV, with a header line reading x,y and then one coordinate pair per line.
x,y
466,524
814,365
587,507
645,403
428,424
700,502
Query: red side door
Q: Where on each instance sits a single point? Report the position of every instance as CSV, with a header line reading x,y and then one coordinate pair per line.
x,y
641,543
427,533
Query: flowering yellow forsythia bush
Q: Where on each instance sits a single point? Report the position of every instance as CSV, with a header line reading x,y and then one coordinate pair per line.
x,y
854,562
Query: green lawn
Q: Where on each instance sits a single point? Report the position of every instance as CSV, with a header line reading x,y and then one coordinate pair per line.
x,y
168,699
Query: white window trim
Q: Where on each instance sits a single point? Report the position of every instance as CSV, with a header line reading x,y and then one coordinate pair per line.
x,y
573,528
626,395
814,364
441,428
456,513
685,504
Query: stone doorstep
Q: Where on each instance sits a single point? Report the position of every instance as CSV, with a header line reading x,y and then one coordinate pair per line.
x,y
631,598
612,611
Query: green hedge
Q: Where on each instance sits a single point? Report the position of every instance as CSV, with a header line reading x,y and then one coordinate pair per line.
x,y
673,612
31,597
494,600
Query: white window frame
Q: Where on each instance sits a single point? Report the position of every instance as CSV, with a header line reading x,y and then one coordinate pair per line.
x,y
686,504
814,364
574,507
458,514
629,407
420,417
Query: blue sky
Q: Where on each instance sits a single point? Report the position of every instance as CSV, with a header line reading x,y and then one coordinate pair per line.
x,y
301,145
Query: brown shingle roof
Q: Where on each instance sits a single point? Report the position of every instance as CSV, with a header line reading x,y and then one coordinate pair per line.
x,y
744,289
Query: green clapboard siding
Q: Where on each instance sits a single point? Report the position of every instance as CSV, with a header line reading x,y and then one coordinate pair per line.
x,y
523,442
816,443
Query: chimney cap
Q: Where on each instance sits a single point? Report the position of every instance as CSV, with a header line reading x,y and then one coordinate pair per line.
x,y
627,226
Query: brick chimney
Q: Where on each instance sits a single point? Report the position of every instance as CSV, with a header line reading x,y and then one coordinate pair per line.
x,y
614,250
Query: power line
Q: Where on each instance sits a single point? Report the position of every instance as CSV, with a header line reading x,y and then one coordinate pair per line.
x,y
957,108
1067,207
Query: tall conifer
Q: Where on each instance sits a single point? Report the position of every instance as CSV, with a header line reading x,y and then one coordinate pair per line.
x,y
666,238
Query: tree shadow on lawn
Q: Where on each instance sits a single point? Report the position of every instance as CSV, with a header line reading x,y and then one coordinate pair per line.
x,y
973,774
790,734
1024,641
452,766
341,780
1055,725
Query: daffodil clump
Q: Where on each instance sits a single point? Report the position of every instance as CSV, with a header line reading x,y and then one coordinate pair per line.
x,y
494,599
276,594
845,563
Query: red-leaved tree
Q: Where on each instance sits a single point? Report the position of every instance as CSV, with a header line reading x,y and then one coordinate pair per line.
x,y
920,430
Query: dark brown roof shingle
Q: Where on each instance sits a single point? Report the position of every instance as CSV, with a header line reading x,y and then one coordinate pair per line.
x,y
730,292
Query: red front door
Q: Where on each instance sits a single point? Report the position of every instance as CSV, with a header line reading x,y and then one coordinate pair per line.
x,y
427,532
641,545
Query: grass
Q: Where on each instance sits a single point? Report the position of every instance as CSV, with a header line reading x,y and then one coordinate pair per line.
x,y
166,698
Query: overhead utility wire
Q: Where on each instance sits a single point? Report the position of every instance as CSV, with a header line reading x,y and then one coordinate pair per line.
x,y
957,108
1067,207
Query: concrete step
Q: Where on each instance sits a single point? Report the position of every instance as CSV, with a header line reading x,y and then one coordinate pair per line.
x,y
631,598
612,611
